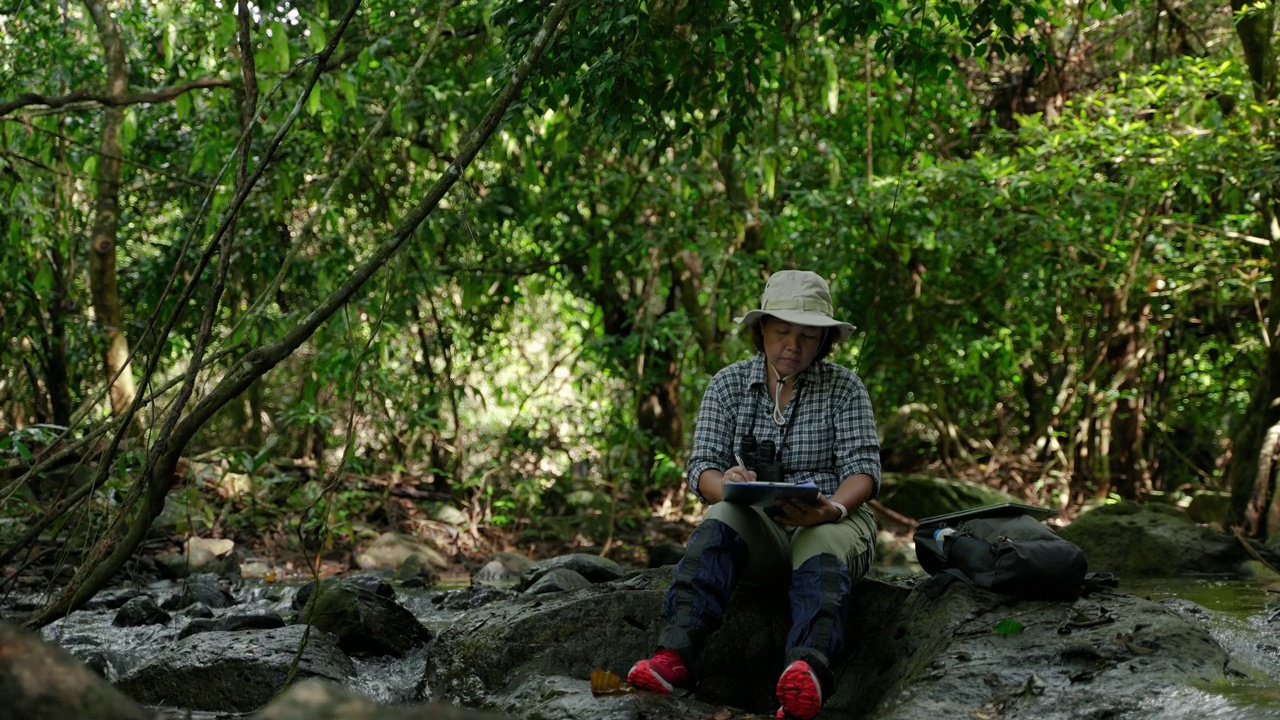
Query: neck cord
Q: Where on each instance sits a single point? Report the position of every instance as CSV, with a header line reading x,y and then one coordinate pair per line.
x,y
779,382
785,423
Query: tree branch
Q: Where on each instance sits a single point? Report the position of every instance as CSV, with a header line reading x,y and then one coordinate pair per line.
x,y
93,99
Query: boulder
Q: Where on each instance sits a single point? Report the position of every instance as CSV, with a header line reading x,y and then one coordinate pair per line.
x,y
967,653
208,589
594,568
922,496
605,626
503,568
363,622
234,671
1171,544
140,611
390,550
264,620
557,580
39,681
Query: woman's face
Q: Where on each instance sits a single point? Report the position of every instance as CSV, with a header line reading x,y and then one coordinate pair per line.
x,y
790,348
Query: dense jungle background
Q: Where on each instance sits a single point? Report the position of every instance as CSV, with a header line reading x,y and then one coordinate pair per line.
x,y
306,271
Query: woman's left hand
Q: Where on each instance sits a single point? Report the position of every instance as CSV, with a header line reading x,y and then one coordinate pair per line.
x,y
804,514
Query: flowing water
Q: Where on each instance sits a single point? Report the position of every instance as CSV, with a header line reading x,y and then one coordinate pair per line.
x,y
1238,619
1241,622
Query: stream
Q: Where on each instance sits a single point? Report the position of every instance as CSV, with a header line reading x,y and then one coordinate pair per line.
x,y
1238,619
1243,625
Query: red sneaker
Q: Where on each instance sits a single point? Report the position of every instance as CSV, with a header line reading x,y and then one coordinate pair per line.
x,y
799,692
662,673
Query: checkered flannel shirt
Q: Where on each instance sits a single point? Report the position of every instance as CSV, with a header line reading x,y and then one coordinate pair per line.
x,y
832,429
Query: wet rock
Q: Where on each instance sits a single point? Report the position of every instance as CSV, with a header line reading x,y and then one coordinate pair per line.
x,y
605,626
1171,544
197,610
415,573
233,623
208,589
39,681
112,599
558,580
320,700
140,611
234,671
470,598
967,653
594,568
372,583
363,622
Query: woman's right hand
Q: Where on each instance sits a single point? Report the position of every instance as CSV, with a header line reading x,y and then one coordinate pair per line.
x,y
712,491
738,473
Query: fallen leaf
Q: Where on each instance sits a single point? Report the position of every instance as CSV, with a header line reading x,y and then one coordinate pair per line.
x,y
604,682
1009,626
1137,647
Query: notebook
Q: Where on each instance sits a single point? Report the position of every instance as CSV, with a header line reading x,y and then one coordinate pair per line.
x,y
763,493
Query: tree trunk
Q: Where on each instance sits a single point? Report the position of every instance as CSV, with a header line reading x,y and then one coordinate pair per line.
x,y
147,495
1128,469
106,218
1255,28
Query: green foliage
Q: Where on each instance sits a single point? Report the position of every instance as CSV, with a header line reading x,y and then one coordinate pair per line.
x,y
539,347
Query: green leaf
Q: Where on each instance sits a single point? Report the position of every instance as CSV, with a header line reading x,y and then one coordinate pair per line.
x,y
316,37
280,45
1009,626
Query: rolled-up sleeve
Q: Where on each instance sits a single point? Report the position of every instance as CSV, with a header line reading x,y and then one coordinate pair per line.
x,y
712,433
857,444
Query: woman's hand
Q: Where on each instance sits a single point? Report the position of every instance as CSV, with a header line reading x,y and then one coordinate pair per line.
x,y
804,513
738,473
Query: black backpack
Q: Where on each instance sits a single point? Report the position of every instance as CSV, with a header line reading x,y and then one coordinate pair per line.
x,y
1014,555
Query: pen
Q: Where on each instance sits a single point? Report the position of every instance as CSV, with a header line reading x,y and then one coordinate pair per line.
x,y
739,459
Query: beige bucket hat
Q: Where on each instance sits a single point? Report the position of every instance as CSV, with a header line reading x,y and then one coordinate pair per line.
x,y
800,297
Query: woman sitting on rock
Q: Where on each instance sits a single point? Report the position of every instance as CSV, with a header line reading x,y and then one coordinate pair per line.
x,y
818,417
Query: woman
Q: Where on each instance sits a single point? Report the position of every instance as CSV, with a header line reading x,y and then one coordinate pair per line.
x,y
818,416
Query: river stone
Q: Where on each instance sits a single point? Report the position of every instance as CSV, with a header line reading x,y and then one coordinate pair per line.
x,y
558,580
234,671
471,597
594,568
233,623
112,599
922,496
1171,544
140,611
363,622
389,551
373,583
320,700
39,681
205,588
504,567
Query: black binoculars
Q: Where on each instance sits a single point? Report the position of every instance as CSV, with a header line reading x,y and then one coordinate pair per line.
x,y
762,458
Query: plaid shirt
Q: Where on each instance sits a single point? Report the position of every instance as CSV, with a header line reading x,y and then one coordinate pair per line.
x,y
832,431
